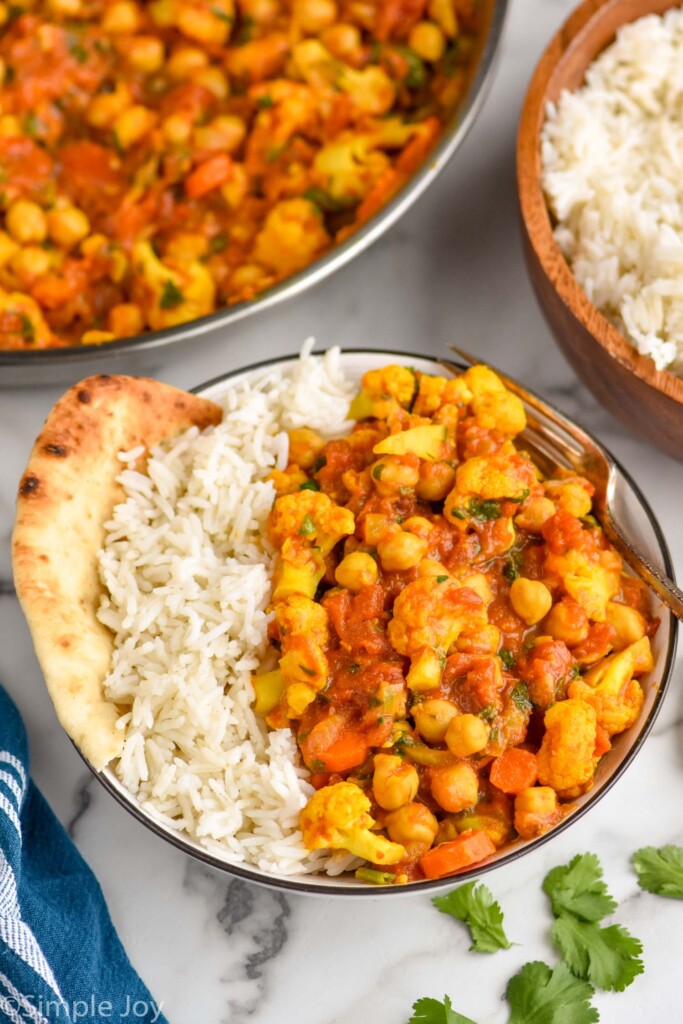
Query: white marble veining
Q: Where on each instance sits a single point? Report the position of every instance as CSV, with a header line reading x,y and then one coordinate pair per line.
x,y
219,951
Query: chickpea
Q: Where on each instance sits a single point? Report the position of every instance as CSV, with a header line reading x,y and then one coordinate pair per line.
x,y
105,107
146,53
341,40
418,525
531,599
133,124
393,474
10,125
68,226
485,641
437,480
121,17
26,221
312,16
394,783
466,735
534,513
30,262
125,320
536,800
428,41
455,787
567,621
214,80
430,567
432,718
8,248
629,624
224,134
413,824
201,25
176,129
184,61
398,551
356,571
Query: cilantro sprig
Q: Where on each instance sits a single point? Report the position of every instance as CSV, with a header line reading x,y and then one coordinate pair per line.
x,y
474,905
434,1011
608,957
539,994
660,870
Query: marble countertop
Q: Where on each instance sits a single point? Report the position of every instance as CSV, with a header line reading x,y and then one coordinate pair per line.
x,y
218,951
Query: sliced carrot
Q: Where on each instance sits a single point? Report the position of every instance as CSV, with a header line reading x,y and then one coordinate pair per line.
x,y
348,751
211,174
514,770
602,742
469,848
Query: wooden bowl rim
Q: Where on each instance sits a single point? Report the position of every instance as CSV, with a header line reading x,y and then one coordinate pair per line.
x,y
577,30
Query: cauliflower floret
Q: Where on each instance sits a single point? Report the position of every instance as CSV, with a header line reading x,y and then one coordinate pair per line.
x,y
435,392
22,324
493,406
371,89
565,760
492,477
574,494
173,292
298,570
311,516
300,615
592,584
428,618
292,236
337,818
611,690
382,391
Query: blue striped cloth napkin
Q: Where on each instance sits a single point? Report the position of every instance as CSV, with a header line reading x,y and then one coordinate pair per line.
x,y
60,959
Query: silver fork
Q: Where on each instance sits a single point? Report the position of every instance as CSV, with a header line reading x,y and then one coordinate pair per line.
x,y
556,443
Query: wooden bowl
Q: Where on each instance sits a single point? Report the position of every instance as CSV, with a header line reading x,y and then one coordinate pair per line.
x,y
648,401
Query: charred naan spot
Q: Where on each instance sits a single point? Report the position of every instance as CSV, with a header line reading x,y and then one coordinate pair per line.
x,y
84,396
29,485
56,449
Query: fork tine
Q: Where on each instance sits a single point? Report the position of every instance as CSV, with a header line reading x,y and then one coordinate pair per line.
x,y
465,356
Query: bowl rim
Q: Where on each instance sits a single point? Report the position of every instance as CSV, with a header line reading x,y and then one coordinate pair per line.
x,y
453,135
299,883
578,33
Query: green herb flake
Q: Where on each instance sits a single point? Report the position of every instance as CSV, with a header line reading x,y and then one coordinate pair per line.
x,y
222,15
353,668
317,765
484,510
507,657
441,579
488,713
171,295
265,102
310,485
32,126
307,527
78,51
328,203
318,464
218,243
307,670
27,330
434,1011
377,471
458,513
512,567
520,698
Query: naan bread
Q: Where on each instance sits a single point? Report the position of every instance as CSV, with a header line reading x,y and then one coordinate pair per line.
x,y
66,495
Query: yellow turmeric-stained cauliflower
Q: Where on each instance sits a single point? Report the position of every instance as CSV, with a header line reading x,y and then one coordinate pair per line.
x,y
493,406
298,570
370,89
174,291
292,236
30,323
300,615
611,690
384,392
565,760
428,617
492,477
592,583
436,392
337,818
574,494
311,516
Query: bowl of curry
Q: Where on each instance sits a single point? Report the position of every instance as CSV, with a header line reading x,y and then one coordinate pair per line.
x,y
465,664
169,168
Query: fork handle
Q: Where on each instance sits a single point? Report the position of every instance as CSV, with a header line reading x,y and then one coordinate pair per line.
x,y
665,589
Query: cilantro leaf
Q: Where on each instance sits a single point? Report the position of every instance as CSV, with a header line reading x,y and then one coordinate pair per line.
x,y
660,870
539,994
171,296
433,1011
577,888
479,911
520,696
607,957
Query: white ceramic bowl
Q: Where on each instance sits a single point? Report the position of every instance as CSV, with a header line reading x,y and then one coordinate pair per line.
x,y
631,509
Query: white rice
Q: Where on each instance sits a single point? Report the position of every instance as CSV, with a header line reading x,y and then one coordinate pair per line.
x,y
187,572
612,155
